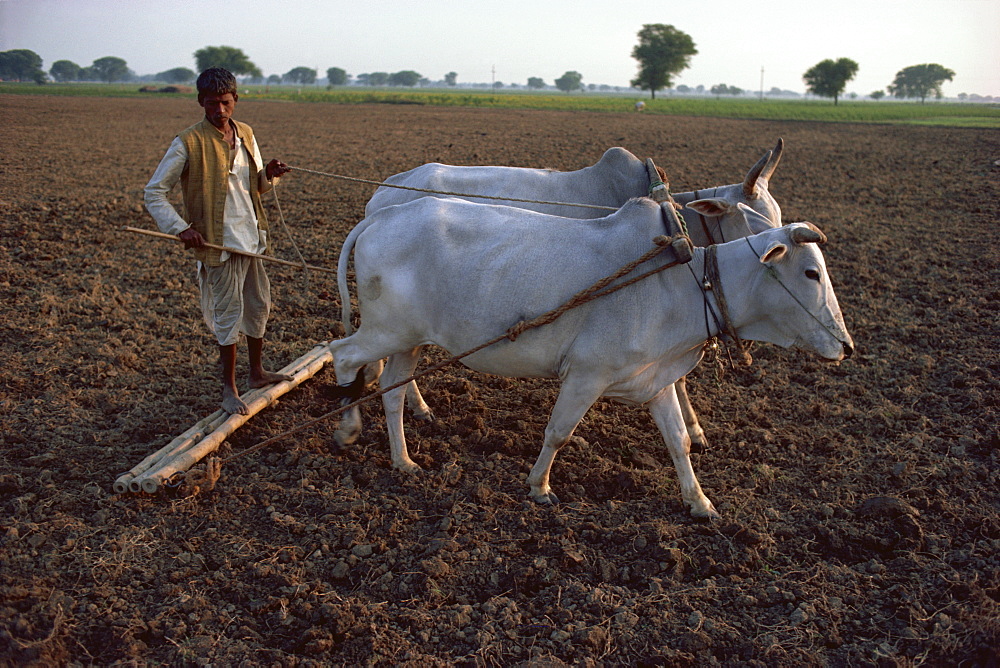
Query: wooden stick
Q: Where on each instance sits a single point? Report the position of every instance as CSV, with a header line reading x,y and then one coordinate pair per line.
x,y
268,258
301,369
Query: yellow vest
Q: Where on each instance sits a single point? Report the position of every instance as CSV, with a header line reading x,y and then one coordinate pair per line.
x,y
205,180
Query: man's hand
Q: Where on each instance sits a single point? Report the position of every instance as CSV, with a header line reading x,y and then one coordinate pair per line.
x,y
192,238
276,168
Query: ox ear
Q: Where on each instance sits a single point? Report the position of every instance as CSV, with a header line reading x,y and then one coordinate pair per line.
x,y
807,233
775,251
712,206
756,222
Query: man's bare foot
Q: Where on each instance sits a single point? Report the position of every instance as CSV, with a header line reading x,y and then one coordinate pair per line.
x,y
232,404
265,378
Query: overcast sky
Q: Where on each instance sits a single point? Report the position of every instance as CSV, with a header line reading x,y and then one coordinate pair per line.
x,y
525,38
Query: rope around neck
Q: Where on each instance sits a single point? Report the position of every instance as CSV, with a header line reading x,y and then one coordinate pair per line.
x,y
450,194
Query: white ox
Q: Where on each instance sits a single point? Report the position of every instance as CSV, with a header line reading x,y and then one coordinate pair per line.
x,y
712,215
457,274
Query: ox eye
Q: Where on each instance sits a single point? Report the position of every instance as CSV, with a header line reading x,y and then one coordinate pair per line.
x,y
813,274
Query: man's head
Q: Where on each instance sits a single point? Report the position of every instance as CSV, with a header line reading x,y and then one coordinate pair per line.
x,y
217,95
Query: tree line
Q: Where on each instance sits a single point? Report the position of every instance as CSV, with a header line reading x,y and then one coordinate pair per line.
x,y
662,53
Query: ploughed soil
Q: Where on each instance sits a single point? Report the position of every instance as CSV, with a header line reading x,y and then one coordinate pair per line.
x,y
860,501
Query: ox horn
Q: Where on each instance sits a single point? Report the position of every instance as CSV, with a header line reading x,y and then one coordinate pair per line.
x,y
772,164
807,233
750,182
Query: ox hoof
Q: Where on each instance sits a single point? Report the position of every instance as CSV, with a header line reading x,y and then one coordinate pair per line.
x,y
706,515
549,499
408,466
344,440
698,446
424,417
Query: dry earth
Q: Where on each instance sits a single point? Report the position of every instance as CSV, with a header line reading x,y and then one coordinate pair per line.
x,y
861,507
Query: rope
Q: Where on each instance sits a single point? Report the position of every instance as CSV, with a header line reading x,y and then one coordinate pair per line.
x,y
599,289
714,279
450,194
284,226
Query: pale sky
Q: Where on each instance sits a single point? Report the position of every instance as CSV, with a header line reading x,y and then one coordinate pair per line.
x,y
525,38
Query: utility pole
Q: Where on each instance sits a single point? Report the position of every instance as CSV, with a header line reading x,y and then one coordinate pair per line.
x,y
761,83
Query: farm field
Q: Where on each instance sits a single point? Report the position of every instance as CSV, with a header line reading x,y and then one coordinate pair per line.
x,y
860,501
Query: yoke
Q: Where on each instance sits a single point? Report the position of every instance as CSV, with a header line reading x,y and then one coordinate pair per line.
x,y
659,192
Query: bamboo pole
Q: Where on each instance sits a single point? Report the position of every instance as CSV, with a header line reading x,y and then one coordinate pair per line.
x,y
301,369
181,442
268,258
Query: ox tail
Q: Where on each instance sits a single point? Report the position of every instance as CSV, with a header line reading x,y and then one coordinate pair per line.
x,y
348,394
346,312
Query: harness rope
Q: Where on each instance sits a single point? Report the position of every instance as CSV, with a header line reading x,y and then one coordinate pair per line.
x,y
451,194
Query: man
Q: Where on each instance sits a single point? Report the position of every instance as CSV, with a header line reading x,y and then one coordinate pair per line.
x,y
222,177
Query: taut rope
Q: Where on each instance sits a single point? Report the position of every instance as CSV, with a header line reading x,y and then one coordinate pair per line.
x,y
450,194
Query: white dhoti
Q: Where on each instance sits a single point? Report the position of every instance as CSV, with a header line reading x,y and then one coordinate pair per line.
x,y
235,298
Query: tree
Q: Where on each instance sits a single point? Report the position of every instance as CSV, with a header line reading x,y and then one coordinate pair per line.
x,y
378,78
828,78
65,70
451,78
920,81
407,78
274,79
569,82
536,83
229,57
662,52
723,89
110,68
300,75
21,65
336,76
177,75
877,94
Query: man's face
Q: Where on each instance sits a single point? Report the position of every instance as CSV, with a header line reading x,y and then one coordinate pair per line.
x,y
218,108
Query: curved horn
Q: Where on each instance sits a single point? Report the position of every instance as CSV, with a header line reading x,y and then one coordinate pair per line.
x,y
772,164
750,182
807,233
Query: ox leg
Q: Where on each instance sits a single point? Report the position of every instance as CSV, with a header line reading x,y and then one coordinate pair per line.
x,y
572,404
415,400
400,366
698,441
666,412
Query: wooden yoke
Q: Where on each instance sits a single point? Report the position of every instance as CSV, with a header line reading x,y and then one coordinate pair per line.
x,y
659,192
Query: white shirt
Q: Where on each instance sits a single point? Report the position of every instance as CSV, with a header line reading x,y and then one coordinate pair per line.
x,y
239,225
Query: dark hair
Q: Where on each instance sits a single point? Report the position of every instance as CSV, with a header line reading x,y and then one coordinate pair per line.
x,y
216,81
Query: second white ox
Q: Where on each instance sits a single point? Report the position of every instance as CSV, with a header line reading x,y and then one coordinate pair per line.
x,y
712,214
457,274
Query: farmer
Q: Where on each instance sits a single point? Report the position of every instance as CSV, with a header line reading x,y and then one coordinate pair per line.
x,y
222,177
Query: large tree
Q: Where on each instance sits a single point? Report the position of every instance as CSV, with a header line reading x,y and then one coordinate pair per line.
x,y
536,83
22,65
177,75
407,78
451,78
663,51
920,81
300,75
65,70
828,78
336,76
110,68
229,57
569,82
